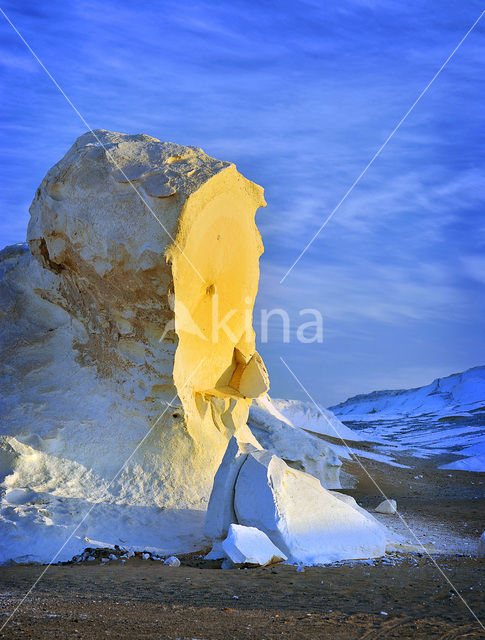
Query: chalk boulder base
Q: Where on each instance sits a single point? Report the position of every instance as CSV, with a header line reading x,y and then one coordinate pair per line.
x,y
248,545
309,524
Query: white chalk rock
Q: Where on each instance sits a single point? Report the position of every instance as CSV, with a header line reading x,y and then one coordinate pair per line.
x,y
216,552
305,415
387,506
248,545
172,561
220,511
111,328
299,449
254,380
481,546
304,520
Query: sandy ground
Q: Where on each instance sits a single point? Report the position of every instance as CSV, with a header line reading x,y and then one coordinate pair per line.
x,y
400,596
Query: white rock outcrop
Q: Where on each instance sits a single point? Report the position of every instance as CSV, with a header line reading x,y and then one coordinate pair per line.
x,y
308,523
305,415
248,545
126,347
299,449
304,520
220,511
128,367
387,506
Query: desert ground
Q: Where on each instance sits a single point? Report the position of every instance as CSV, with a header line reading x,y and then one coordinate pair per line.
x,y
399,596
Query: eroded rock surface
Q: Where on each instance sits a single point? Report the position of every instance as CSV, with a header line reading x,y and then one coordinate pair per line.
x,y
128,361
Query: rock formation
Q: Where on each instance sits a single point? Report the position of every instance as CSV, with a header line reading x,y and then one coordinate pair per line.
x,y
387,506
310,524
125,232
298,448
128,363
129,312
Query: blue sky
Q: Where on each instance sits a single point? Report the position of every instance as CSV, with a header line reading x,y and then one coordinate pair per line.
x,y
299,95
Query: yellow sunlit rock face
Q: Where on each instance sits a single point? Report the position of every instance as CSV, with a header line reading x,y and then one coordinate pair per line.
x,y
215,266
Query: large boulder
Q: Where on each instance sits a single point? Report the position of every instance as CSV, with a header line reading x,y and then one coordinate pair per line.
x,y
309,524
128,358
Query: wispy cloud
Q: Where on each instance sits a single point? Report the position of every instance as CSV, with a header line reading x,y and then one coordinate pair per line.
x,y
300,95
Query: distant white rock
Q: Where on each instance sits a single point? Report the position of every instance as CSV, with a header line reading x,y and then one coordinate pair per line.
x,y
474,463
298,448
305,415
481,546
387,506
248,545
304,520
449,396
172,561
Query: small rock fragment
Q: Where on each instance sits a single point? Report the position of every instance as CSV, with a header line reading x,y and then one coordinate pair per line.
x,y
249,545
387,506
172,561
